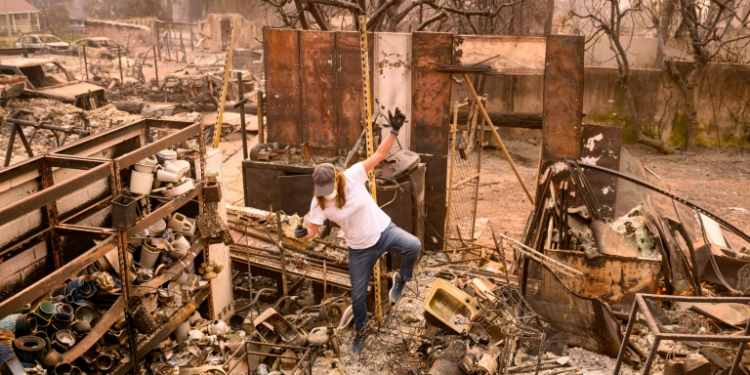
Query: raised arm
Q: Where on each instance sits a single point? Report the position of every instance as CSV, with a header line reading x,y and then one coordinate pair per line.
x,y
397,121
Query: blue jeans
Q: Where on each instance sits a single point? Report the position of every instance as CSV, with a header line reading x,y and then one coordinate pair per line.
x,y
362,261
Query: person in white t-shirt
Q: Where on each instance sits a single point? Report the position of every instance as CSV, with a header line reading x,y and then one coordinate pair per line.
x,y
342,197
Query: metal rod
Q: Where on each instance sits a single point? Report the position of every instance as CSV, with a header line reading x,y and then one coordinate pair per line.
x,y
119,62
243,129
497,136
9,149
225,87
85,63
740,351
452,161
261,124
156,65
281,253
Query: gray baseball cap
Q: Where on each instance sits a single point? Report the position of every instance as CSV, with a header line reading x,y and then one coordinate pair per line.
x,y
324,176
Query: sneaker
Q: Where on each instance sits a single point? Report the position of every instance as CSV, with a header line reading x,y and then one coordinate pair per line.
x,y
359,342
397,288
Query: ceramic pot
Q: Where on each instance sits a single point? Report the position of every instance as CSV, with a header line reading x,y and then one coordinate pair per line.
x,y
103,362
178,222
52,358
62,321
180,246
75,371
25,325
62,368
235,321
181,333
81,327
45,310
64,308
166,155
149,256
63,340
74,284
85,313
87,290
158,227
141,183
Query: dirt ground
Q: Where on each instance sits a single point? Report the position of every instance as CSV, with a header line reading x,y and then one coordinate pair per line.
x,y
717,179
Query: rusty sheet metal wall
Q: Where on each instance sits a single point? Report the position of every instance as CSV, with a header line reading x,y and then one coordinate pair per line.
x,y
563,99
281,58
601,145
504,54
392,79
318,90
349,99
431,96
612,279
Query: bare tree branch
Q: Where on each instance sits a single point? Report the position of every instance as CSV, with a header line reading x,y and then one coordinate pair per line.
x,y
439,16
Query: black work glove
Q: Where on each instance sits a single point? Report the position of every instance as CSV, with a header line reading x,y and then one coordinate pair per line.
x,y
397,120
300,231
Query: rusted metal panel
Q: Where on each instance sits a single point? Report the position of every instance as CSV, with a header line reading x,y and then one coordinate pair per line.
x,y
601,145
612,278
508,55
563,99
282,67
392,79
318,84
349,99
430,112
45,196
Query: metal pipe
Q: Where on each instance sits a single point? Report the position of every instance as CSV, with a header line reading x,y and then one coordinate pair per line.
x,y
243,130
281,252
9,150
156,66
85,63
261,124
119,62
47,126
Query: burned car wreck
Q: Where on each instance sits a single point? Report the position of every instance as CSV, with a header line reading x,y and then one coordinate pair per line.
x,y
50,79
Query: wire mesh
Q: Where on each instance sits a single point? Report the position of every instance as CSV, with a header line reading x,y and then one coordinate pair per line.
x,y
464,167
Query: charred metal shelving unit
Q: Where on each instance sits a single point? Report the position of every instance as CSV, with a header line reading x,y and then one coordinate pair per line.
x,y
90,172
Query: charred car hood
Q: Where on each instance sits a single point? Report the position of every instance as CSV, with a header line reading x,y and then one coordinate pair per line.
x,y
68,92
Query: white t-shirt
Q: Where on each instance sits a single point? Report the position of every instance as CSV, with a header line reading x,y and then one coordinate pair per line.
x,y
361,219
